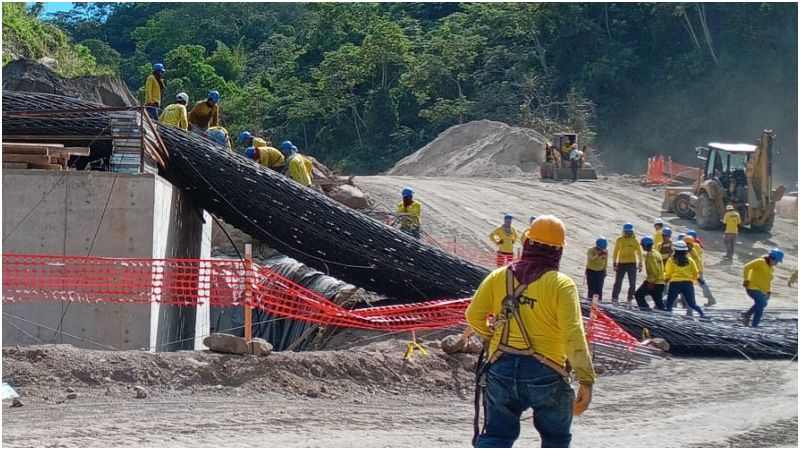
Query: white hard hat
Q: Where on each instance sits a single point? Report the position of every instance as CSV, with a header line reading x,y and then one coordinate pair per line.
x,y
182,96
658,221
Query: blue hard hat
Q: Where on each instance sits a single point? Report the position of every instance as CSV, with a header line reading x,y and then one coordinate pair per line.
x,y
531,219
250,152
627,227
692,233
407,192
666,231
213,95
244,135
647,240
508,218
776,254
159,68
601,243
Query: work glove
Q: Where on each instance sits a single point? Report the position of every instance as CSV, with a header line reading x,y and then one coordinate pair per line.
x,y
582,400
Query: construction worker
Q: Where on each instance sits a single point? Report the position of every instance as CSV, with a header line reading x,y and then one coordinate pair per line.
x,y
665,247
408,213
696,253
575,158
653,285
504,237
175,114
152,90
262,152
295,165
526,358
681,272
733,222
758,275
525,233
205,113
219,135
792,278
627,260
596,266
658,224
566,149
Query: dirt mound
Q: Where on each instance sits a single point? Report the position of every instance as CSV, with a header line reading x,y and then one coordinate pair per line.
x,y
482,148
29,76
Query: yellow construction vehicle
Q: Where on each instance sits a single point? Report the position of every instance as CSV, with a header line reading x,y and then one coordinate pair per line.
x,y
732,174
557,163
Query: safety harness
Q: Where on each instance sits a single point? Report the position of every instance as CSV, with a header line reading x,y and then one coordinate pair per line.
x,y
508,311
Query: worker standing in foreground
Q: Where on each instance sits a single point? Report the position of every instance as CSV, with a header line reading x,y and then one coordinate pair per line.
x,y
758,275
596,266
153,87
205,113
535,328
658,225
175,114
295,165
732,221
681,272
408,213
627,260
262,152
696,253
504,237
653,285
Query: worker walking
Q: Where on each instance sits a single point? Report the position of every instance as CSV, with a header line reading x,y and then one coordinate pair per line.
x,y
295,165
758,275
535,328
408,213
681,272
259,150
627,260
153,87
732,221
596,266
658,225
504,237
205,113
653,285
696,253
175,114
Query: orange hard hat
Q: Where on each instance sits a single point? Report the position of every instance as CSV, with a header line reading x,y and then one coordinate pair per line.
x,y
688,240
548,230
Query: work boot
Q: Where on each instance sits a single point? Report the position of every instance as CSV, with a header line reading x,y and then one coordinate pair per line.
x,y
745,319
711,302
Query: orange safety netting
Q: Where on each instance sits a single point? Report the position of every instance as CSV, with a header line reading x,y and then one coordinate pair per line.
x,y
191,282
663,171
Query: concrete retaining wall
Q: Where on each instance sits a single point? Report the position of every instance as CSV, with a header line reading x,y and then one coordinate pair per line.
x,y
102,214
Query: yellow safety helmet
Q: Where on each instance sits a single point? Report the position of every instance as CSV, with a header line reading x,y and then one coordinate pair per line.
x,y
548,230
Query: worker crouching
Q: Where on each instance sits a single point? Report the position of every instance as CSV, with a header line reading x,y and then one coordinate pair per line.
x,y
536,327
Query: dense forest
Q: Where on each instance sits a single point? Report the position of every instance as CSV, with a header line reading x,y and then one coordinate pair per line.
x,y
361,85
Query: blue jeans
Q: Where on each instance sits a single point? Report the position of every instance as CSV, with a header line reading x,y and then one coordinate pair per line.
x,y
516,383
411,232
685,288
152,111
757,309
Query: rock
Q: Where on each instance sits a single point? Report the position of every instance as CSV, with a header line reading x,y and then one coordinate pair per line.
x,y
72,396
312,393
226,343
48,62
70,390
17,403
454,344
260,347
139,392
350,196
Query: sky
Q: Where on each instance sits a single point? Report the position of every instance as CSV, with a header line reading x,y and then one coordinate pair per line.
x,y
54,7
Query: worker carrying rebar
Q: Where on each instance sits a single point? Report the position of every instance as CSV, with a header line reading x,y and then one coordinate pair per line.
x,y
295,165
733,222
205,113
653,285
260,150
627,260
596,267
408,213
175,114
529,316
681,273
758,275
504,237
153,87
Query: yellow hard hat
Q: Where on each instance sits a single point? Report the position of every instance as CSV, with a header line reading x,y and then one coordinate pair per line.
x,y
548,230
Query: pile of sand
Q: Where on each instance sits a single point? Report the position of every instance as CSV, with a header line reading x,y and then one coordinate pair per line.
x,y
482,148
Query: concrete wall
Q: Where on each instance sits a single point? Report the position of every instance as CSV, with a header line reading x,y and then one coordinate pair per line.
x,y
102,214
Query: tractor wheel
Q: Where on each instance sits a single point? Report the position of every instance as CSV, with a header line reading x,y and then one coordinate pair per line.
x,y
707,214
767,227
682,207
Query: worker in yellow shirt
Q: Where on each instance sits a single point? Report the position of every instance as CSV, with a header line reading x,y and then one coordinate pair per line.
x,y
262,152
681,272
408,213
530,315
596,266
525,233
152,90
627,260
665,247
653,285
696,253
758,275
175,114
504,237
658,224
205,113
295,165
732,221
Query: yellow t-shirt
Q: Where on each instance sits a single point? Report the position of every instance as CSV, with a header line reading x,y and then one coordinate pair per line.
x,y
409,216
654,267
596,259
508,239
204,116
270,157
152,91
175,115
732,220
658,238
627,250
551,312
299,169
674,272
759,273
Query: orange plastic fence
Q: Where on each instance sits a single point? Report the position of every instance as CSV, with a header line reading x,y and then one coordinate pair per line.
x,y
663,171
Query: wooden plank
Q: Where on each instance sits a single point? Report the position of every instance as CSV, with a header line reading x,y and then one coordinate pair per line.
x,y
76,151
31,159
31,144
46,166
15,165
33,137
44,151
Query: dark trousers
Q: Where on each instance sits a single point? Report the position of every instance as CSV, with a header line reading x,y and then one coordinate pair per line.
x,y
152,111
594,282
685,288
758,307
656,291
622,269
574,166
